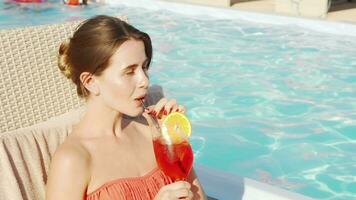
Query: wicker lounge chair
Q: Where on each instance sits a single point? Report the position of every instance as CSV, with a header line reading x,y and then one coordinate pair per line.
x,y
32,90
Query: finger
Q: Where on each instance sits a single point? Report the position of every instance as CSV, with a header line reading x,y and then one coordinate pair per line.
x,y
181,193
179,185
149,110
181,109
175,108
190,195
169,106
159,107
187,185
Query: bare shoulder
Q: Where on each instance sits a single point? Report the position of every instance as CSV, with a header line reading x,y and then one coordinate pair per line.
x,y
71,151
69,173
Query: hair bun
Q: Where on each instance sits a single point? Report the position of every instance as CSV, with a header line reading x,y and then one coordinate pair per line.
x,y
63,64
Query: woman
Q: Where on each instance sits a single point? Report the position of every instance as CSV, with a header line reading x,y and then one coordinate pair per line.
x,y
109,154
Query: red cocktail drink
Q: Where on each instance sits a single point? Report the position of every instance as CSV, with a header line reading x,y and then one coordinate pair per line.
x,y
175,160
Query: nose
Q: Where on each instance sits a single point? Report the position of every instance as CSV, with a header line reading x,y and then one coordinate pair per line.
x,y
143,80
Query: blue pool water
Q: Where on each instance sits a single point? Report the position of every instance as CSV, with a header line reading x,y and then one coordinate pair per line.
x,y
274,102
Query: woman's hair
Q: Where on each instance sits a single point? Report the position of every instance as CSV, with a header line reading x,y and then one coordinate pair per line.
x,y
93,44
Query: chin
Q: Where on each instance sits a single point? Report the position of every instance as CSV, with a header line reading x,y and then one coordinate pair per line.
x,y
135,112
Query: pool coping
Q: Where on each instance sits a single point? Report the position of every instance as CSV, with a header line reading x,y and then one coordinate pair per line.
x,y
220,185
319,25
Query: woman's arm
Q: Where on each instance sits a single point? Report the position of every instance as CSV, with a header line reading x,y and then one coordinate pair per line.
x,y
196,188
69,173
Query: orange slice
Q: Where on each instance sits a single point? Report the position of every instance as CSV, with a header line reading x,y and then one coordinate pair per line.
x,y
176,127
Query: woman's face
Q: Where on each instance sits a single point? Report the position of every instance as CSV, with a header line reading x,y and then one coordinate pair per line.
x,y
123,84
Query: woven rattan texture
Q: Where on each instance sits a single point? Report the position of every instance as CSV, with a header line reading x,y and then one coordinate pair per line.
x,y
32,88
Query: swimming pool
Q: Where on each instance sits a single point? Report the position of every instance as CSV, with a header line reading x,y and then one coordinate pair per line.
x,y
271,98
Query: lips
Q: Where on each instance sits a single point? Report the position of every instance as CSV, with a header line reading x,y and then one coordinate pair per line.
x,y
140,98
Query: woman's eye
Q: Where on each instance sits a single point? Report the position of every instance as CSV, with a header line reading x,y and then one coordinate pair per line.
x,y
130,72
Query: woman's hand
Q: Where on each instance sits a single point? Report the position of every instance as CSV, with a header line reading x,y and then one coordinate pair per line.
x,y
159,111
176,190
162,109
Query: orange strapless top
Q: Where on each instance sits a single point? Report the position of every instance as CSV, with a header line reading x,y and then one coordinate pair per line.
x,y
134,188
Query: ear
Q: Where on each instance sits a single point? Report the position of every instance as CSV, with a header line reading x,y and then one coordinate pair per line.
x,y
90,83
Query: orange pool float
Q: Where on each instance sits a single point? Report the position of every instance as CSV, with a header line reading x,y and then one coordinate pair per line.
x,y
75,2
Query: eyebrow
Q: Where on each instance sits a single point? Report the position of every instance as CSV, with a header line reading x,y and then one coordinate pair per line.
x,y
134,65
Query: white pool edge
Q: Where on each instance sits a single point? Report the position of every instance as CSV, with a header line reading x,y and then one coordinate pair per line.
x,y
255,190
336,28
226,186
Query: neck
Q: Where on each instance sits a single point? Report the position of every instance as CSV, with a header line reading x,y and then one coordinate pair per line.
x,y
100,120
